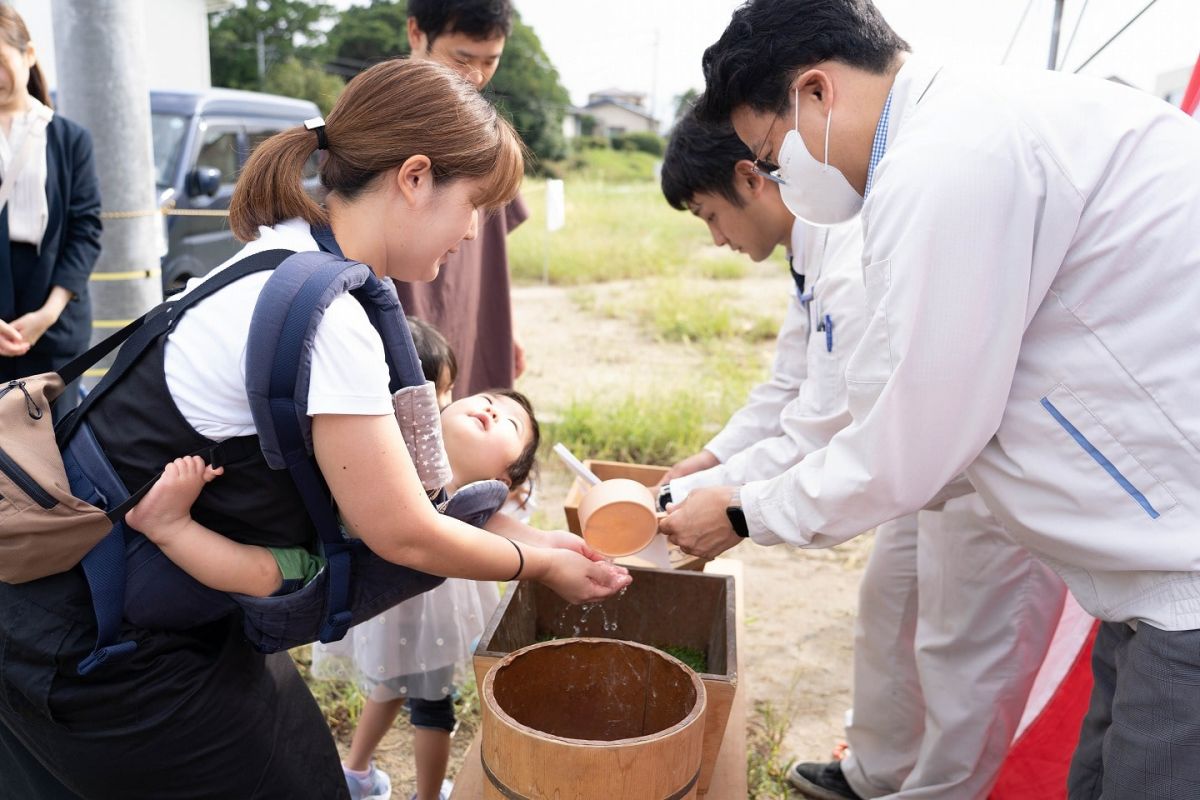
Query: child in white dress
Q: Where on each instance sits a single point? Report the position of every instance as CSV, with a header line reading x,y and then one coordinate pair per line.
x,y
407,656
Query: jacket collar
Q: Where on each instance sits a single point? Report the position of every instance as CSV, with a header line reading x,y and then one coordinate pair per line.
x,y
910,86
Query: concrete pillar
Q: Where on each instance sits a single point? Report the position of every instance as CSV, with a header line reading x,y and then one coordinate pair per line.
x,y
100,48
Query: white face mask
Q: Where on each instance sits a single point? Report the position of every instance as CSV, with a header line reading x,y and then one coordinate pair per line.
x,y
816,193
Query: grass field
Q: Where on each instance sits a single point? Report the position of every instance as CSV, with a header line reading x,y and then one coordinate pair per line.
x,y
614,231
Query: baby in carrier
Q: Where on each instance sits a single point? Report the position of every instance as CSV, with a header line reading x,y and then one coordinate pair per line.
x,y
489,436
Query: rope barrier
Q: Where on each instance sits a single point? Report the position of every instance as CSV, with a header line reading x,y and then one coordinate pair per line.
x,y
130,214
167,212
132,275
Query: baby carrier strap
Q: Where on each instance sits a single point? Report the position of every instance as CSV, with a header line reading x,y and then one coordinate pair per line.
x,y
278,369
282,332
92,477
142,332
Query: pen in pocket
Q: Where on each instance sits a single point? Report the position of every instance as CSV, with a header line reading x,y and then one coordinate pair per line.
x,y
827,326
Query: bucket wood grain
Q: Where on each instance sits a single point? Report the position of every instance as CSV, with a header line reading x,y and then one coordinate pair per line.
x,y
591,719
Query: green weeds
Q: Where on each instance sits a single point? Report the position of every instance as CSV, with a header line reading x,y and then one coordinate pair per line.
x,y
614,232
766,766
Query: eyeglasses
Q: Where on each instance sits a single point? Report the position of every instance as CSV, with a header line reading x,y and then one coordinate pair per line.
x,y
767,170
763,167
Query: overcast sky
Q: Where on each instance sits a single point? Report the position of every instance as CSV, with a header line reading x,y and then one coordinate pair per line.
x,y
597,44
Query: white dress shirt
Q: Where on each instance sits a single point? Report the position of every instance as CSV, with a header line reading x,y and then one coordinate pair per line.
x,y
28,210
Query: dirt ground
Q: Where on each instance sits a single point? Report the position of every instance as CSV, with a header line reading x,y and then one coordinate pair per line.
x,y
800,604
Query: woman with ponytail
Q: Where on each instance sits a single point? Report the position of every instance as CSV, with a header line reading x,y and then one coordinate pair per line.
x,y
411,153
51,219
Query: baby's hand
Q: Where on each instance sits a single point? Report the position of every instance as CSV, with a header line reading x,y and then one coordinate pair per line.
x,y
166,508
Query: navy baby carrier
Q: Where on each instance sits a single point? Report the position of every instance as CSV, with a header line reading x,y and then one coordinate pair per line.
x,y
354,584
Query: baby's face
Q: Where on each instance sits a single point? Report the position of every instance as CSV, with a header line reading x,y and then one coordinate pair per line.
x,y
484,434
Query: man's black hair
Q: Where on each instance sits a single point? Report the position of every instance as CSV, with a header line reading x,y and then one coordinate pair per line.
x,y
478,19
700,157
768,41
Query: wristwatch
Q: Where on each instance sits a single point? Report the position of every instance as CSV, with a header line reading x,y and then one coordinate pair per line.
x,y
737,517
664,497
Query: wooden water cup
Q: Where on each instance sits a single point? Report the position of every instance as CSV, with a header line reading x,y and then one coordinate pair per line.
x,y
618,517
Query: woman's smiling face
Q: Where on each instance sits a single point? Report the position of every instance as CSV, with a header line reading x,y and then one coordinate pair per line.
x,y
14,76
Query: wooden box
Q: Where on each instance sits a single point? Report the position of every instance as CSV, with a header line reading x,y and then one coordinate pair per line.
x,y
661,608
643,474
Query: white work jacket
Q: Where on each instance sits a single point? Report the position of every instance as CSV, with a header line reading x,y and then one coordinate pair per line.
x,y
1032,266
803,403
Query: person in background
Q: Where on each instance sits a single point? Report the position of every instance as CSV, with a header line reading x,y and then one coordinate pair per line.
x,y
51,219
469,301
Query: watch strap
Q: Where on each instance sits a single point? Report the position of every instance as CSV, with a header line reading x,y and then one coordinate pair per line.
x,y
737,517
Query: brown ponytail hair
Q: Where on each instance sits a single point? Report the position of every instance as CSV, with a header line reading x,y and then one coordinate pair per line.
x,y
390,112
15,34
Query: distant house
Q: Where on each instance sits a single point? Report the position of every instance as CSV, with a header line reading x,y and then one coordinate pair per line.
x,y
616,111
573,124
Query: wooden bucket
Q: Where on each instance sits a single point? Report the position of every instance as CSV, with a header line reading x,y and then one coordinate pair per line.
x,y
661,608
591,719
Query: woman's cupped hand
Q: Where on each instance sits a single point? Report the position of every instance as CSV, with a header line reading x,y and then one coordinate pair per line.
x,y
578,579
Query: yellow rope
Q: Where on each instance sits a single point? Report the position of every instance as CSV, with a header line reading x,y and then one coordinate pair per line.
x,y
169,211
132,275
112,324
197,212
129,214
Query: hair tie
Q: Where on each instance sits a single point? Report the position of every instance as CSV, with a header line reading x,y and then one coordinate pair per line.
x,y
317,126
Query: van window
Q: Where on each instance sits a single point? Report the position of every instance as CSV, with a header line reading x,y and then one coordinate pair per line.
x,y
167,131
219,148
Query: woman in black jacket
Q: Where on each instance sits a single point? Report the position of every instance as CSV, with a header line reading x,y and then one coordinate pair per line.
x,y
51,219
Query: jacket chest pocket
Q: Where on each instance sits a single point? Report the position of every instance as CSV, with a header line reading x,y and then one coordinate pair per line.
x,y
825,360
1110,460
872,359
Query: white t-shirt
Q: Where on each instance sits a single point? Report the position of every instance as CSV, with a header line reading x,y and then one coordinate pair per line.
x,y
205,359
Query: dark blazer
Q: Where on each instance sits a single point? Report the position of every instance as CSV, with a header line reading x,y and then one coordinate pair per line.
x,y
70,245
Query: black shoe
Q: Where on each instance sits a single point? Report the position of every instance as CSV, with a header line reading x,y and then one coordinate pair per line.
x,y
821,781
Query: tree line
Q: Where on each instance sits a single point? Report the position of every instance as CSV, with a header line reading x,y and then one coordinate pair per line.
x,y
309,49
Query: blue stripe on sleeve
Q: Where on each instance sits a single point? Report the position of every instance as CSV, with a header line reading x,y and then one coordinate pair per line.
x,y
1091,450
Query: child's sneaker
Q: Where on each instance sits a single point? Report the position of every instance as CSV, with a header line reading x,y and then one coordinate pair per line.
x,y
376,786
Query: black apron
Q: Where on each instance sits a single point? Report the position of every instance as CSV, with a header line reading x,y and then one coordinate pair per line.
x,y
194,714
